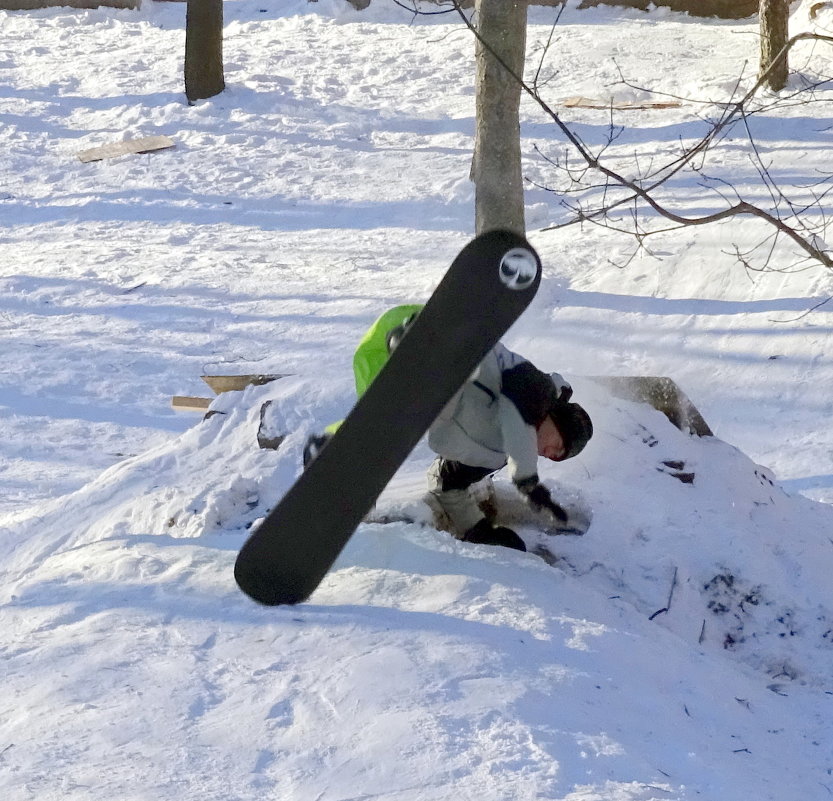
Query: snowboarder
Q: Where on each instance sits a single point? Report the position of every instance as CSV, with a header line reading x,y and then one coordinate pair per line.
x,y
508,412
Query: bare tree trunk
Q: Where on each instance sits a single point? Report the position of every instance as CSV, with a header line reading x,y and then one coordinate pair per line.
x,y
203,49
496,168
774,17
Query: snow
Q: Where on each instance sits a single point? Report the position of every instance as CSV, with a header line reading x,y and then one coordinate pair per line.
x,y
682,649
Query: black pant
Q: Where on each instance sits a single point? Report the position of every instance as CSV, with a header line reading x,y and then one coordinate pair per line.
x,y
458,476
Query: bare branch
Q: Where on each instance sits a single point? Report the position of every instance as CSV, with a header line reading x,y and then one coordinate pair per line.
x,y
642,189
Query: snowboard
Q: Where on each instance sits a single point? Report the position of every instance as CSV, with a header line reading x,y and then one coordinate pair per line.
x,y
489,284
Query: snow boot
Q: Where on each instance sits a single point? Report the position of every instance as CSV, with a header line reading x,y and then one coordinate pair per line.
x,y
484,533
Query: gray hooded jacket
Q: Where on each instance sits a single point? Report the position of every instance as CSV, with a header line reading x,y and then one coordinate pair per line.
x,y
493,419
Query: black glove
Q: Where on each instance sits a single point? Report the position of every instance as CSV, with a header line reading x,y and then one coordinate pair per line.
x,y
539,498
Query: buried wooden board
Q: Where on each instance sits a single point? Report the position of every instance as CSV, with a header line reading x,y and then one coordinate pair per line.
x,y
146,144
664,395
220,384
230,383
626,105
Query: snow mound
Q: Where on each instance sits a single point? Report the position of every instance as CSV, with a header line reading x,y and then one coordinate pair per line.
x,y
749,586
613,673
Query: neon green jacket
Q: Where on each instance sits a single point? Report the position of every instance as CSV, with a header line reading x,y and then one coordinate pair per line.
x,y
372,352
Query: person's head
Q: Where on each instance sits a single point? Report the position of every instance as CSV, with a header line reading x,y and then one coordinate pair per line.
x,y
564,432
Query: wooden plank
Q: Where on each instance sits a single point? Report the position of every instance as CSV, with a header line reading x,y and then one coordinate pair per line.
x,y
187,403
219,383
230,383
30,5
144,145
635,105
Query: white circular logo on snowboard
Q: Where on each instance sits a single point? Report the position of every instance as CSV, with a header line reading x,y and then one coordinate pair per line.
x,y
518,268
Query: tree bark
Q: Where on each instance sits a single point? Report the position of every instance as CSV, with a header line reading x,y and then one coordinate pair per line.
x,y
203,49
774,19
496,167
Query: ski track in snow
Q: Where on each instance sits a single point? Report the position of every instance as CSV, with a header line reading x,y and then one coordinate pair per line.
x,y
681,649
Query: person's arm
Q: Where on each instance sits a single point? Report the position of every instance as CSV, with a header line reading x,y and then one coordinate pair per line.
x,y
520,441
525,401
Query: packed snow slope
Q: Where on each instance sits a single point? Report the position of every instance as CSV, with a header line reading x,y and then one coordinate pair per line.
x,y
682,649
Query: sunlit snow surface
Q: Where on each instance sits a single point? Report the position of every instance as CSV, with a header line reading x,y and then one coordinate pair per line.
x,y
682,649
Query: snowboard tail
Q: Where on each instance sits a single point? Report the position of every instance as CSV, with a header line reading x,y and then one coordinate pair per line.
x,y
487,287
